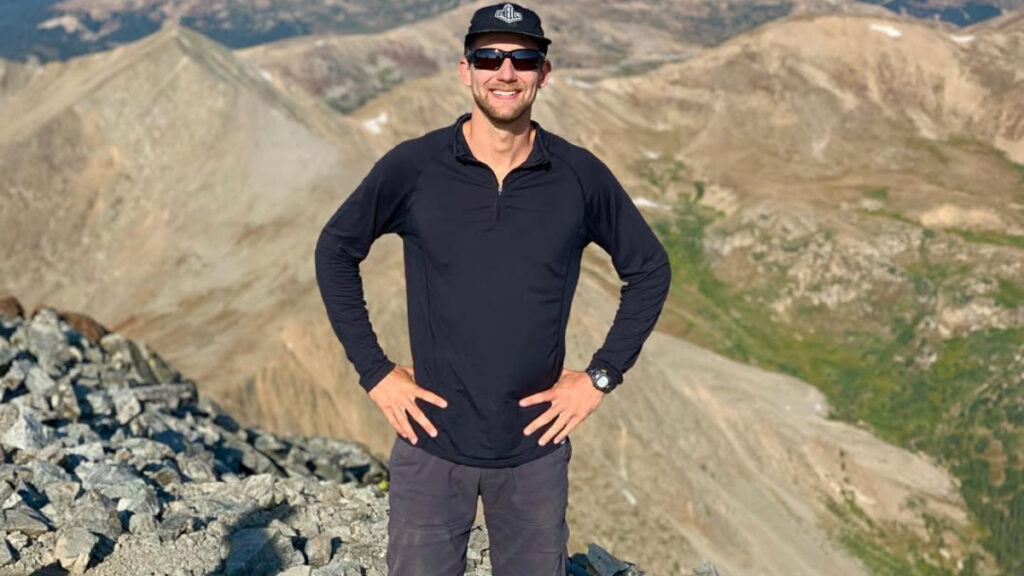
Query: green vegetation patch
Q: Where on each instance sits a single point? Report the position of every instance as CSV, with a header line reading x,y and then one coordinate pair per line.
x,y
1019,168
989,237
945,397
890,549
878,193
1008,294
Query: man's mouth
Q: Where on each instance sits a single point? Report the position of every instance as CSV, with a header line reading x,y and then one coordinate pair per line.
x,y
505,94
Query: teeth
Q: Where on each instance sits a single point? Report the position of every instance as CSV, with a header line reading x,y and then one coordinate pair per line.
x,y
504,93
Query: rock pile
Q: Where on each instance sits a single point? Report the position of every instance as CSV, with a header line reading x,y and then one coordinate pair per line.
x,y
113,465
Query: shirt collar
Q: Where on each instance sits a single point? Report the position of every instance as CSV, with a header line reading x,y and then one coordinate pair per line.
x,y
538,154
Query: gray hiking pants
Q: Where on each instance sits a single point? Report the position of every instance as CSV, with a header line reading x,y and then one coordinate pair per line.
x,y
434,502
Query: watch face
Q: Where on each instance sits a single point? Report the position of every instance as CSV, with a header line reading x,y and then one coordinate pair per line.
x,y
600,378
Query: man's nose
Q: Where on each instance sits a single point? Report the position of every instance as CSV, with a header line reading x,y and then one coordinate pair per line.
x,y
507,71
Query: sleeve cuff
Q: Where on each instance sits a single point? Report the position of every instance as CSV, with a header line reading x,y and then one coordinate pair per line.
x,y
372,378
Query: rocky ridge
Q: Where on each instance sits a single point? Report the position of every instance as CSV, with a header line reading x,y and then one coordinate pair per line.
x,y
114,465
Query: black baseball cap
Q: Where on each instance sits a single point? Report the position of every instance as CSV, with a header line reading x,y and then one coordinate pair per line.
x,y
506,17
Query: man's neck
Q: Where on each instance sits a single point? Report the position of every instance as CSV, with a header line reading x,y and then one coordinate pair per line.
x,y
502,147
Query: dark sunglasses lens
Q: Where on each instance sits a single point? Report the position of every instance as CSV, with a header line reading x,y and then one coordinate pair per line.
x,y
526,59
487,59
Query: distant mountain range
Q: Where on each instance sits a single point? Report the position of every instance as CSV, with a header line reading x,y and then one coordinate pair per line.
x,y
59,29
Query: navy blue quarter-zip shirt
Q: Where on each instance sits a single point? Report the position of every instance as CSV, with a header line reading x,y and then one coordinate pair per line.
x,y
490,275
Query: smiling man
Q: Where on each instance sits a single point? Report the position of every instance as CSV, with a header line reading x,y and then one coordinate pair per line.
x,y
494,213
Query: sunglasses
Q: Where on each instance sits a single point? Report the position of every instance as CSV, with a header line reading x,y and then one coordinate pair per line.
x,y
492,58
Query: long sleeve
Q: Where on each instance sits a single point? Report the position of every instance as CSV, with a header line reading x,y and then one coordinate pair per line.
x,y
615,224
376,207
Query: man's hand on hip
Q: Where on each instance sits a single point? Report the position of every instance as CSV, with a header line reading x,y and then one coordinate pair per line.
x,y
396,395
572,399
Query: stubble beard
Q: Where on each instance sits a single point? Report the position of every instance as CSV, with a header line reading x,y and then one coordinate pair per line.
x,y
505,116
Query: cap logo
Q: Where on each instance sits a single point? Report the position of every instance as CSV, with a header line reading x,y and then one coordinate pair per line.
x,y
508,14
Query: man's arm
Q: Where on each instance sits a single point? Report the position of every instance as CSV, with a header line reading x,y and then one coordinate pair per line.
x,y
615,224
376,207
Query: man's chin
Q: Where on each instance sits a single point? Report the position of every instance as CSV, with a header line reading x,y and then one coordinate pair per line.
x,y
504,116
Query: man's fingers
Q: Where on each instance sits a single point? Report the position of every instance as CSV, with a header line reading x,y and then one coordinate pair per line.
x,y
403,421
540,421
555,428
534,398
572,423
422,419
432,398
394,422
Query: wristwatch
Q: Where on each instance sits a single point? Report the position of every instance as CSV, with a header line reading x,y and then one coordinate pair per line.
x,y
599,377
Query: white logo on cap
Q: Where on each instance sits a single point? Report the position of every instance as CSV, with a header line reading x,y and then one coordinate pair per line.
x,y
508,14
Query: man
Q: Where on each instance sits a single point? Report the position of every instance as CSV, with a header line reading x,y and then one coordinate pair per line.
x,y
494,213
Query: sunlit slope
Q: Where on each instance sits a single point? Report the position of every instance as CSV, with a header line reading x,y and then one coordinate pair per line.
x,y
170,190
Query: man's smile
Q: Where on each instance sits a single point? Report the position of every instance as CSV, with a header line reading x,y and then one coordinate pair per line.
x,y
501,94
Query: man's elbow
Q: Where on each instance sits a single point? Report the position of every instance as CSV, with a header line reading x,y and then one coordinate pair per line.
x,y
330,250
653,277
325,252
663,272
324,245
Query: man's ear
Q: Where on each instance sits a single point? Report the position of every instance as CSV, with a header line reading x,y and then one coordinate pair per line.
x,y
545,69
464,72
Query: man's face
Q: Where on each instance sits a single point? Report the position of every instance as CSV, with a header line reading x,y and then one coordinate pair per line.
x,y
505,94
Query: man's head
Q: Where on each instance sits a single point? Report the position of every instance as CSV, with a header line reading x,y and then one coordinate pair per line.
x,y
507,93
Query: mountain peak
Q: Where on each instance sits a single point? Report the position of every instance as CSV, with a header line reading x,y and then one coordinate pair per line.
x,y
138,67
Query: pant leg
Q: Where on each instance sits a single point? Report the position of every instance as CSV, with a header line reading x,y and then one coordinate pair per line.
x,y
433,505
524,509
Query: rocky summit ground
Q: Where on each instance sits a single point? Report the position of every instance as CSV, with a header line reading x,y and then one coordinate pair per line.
x,y
113,465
